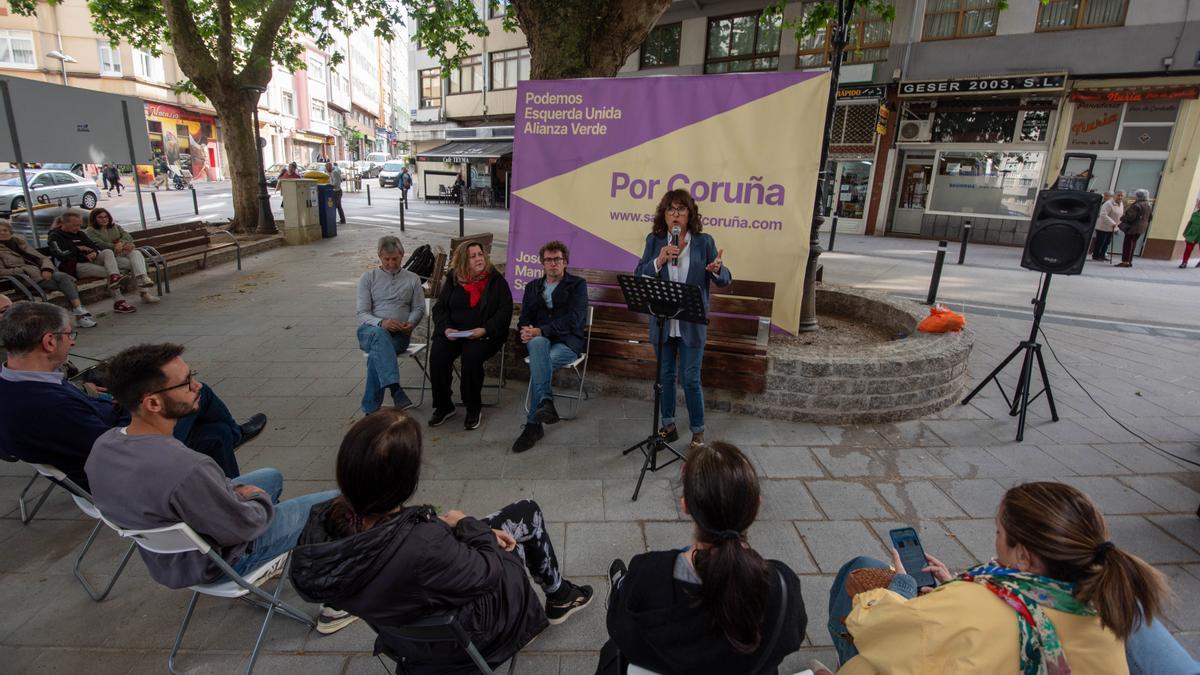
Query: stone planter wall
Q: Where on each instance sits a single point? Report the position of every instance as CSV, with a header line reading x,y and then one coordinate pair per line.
x,y
898,380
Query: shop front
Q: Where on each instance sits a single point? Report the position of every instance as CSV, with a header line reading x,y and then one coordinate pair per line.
x,y
309,148
973,150
485,166
1140,134
853,145
187,139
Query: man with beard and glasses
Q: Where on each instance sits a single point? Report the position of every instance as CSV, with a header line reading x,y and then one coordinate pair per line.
x,y
47,420
142,477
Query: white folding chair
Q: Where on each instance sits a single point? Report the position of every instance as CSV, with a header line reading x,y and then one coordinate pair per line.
x,y
179,538
579,366
84,501
418,351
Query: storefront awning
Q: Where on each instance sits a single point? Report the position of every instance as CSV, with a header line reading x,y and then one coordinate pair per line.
x,y
458,152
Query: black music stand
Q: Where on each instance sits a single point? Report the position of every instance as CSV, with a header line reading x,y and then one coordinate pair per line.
x,y
662,300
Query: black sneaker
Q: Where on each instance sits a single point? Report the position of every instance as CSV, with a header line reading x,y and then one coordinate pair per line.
x,y
546,413
472,420
439,416
530,435
577,598
669,433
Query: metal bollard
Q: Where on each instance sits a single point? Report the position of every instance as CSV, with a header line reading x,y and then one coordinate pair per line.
x,y
401,215
368,194
460,219
154,200
937,273
832,231
195,202
966,236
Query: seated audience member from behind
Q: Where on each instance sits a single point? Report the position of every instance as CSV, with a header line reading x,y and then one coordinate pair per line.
x,y
46,420
390,305
552,324
394,564
1059,597
716,606
142,477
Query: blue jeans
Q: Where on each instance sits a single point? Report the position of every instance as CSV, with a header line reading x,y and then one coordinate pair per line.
x,y
212,431
289,519
840,603
693,394
545,357
382,348
1152,650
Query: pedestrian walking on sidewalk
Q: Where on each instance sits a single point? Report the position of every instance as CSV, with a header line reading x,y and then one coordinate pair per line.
x,y
1134,223
1110,215
1191,237
113,176
335,179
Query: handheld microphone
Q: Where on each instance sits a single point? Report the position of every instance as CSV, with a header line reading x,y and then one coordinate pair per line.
x,y
675,242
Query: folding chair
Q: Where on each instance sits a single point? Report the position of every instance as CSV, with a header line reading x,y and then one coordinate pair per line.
x,y
179,538
84,501
415,350
575,366
445,628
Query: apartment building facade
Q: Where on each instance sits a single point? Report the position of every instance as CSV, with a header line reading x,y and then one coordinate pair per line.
x,y
304,116
953,112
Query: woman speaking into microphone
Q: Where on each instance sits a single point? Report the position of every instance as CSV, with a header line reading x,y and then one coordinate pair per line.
x,y
677,251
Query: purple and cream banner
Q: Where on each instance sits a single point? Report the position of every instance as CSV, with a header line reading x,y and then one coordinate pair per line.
x,y
593,157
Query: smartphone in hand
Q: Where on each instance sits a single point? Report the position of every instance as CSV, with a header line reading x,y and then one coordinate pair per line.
x,y
912,555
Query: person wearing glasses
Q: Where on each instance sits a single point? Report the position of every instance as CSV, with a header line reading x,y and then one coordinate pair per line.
x,y
142,477
696,260
47,420
553,318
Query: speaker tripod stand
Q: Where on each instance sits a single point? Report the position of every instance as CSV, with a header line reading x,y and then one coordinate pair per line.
x,y
1031,351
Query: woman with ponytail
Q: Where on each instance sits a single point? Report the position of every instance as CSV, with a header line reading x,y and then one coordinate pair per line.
x,y
391,564
716,606
1058,598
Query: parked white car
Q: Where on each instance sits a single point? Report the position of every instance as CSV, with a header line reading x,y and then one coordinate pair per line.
x,y
46,187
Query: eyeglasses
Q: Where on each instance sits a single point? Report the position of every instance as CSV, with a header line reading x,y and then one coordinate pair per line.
x,y
187,382
69,333
678,210
553,261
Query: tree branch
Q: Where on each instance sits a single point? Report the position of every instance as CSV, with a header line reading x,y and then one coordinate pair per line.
x,y
190,51
258,64
225,37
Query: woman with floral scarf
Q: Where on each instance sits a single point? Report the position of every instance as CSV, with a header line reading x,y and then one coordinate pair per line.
x,y
1058,598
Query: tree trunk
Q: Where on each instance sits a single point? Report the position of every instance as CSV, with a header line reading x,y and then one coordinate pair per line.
x,y
584,38
236,111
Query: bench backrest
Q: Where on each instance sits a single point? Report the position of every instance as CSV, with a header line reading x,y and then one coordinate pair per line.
x,y
738,331
173,238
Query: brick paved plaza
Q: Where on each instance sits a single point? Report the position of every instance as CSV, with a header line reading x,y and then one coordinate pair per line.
x,y
279,338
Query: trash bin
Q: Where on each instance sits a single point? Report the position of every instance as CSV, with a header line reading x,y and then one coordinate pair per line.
x,y
326,211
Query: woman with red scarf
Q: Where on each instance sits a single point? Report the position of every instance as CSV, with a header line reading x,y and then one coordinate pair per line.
x,y
471,319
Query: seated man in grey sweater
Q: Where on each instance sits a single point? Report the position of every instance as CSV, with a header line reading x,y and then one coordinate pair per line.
x,y
390,305
142,477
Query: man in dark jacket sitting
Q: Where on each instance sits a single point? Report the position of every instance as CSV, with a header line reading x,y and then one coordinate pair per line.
x,y
46,420
553,318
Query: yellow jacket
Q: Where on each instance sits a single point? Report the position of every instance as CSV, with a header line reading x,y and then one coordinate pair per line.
x,y
964,628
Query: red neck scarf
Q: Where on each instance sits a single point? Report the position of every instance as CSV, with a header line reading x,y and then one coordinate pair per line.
x,y
475,289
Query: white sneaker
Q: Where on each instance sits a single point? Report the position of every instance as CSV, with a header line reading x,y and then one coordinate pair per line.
x,y
85,321
149,299
332,620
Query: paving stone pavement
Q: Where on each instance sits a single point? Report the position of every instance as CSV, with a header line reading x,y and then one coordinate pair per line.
x,y
279,338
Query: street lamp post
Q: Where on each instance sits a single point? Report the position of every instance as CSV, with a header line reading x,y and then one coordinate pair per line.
x,y
839,36
266,221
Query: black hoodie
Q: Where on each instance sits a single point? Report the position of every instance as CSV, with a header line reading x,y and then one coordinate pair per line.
x,y
656,622
412,566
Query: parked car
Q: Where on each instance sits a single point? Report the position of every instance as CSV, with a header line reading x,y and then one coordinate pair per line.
x,y
46,186
273,172
76,168
366,169
389,175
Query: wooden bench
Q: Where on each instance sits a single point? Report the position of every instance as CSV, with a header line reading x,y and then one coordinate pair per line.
x,y
735,355
483,239
162,245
